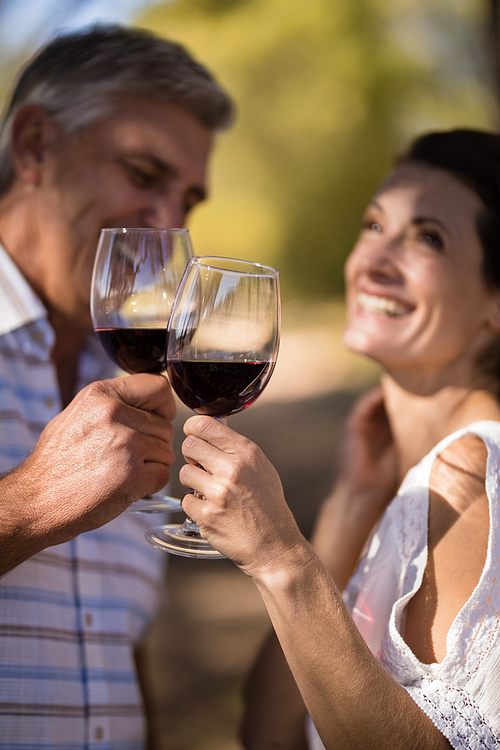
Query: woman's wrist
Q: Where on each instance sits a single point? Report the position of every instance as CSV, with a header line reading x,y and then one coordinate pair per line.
x,y
287,569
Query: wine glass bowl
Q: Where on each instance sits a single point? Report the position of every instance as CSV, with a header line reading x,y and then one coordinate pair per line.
x,y
135,278
222,343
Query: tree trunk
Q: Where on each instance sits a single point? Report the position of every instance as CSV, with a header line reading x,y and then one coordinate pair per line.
x,y
493,38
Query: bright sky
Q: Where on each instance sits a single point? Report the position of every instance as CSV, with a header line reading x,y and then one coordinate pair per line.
x,y
25,24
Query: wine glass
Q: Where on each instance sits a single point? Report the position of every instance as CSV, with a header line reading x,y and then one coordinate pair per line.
x,y
136,274
222,344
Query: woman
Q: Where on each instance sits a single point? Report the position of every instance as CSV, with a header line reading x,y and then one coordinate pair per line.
x,y
412,658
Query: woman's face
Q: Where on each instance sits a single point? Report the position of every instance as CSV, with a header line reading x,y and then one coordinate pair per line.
x,y
416,294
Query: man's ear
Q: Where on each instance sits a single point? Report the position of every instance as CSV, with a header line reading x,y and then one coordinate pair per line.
x,y
494,316
33,132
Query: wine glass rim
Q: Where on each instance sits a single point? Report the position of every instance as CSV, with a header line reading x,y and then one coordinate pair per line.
x,y
216,262
152,230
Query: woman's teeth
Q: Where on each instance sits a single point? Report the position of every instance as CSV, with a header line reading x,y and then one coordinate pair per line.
x,y
372,304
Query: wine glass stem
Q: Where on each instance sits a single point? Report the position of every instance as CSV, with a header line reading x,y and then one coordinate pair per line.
x,y
189,528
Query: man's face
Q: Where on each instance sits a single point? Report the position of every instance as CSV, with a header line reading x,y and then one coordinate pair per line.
x,y
143,165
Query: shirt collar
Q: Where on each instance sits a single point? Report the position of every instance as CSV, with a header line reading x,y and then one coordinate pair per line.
x,y
19,304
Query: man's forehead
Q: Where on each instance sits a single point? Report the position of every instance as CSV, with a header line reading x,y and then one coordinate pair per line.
x,y
127,110
155,127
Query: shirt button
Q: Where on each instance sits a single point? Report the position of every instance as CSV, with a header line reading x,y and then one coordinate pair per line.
x,y
38,336
88,619
49,401
99,733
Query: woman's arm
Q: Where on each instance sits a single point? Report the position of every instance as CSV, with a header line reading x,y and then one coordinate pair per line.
x,y
351,699
274,709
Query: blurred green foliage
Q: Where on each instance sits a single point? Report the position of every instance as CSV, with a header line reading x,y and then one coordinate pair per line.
x,y
328,91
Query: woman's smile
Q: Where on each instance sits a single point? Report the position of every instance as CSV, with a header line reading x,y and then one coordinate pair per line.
x,y
373,304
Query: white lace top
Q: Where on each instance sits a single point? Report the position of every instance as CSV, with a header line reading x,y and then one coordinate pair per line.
x,y
461,694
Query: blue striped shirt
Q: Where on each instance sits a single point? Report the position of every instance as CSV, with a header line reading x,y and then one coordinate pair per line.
x,y
70,616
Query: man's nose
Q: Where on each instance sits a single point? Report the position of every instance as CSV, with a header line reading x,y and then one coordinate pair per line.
x,y
166,212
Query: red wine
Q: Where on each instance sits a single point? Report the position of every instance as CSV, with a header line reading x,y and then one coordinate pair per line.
x,y
218,388
135,349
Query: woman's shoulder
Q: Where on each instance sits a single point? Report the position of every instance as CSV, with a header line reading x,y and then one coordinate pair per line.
x,y
488,430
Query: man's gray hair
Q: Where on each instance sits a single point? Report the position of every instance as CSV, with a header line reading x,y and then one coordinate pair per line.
x,y
77,75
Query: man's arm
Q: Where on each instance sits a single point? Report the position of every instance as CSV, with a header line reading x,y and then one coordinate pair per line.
x,y
108,448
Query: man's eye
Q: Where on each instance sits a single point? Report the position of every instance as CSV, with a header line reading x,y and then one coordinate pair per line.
x,y
140,178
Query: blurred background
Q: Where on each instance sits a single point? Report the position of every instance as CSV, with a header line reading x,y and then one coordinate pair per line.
x,y
328,92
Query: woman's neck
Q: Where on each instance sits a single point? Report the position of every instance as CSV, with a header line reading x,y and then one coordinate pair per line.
x,y
418,422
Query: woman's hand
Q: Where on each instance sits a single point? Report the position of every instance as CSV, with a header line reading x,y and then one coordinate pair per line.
x,y
243,512
369,459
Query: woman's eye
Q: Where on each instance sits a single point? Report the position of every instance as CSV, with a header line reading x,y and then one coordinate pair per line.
x,y
433,239
372,226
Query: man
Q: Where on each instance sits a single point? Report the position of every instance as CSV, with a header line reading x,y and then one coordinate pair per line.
x,y
107,127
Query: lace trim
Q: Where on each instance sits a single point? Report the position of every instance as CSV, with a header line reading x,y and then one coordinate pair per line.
x,y
454,713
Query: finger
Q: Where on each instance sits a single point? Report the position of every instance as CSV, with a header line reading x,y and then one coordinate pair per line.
x,y
205,458
133,448
368,412
145,459
99,404
155,451
143,391
214,433
194,507
194,477
152,478
145,423
142,402
369,401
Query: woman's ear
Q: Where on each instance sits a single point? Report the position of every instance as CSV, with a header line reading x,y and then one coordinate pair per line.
x,y
33,132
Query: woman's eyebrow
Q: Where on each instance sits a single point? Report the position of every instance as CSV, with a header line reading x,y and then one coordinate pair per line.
x,y
425,219
418,220
376,205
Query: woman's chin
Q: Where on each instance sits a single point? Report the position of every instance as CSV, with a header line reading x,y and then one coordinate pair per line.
x,y
357,341
381,352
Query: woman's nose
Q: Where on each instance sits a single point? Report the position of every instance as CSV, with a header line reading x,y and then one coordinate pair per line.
x,y
377,259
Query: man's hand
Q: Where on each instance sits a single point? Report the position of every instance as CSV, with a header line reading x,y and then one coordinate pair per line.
x,y
109,447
